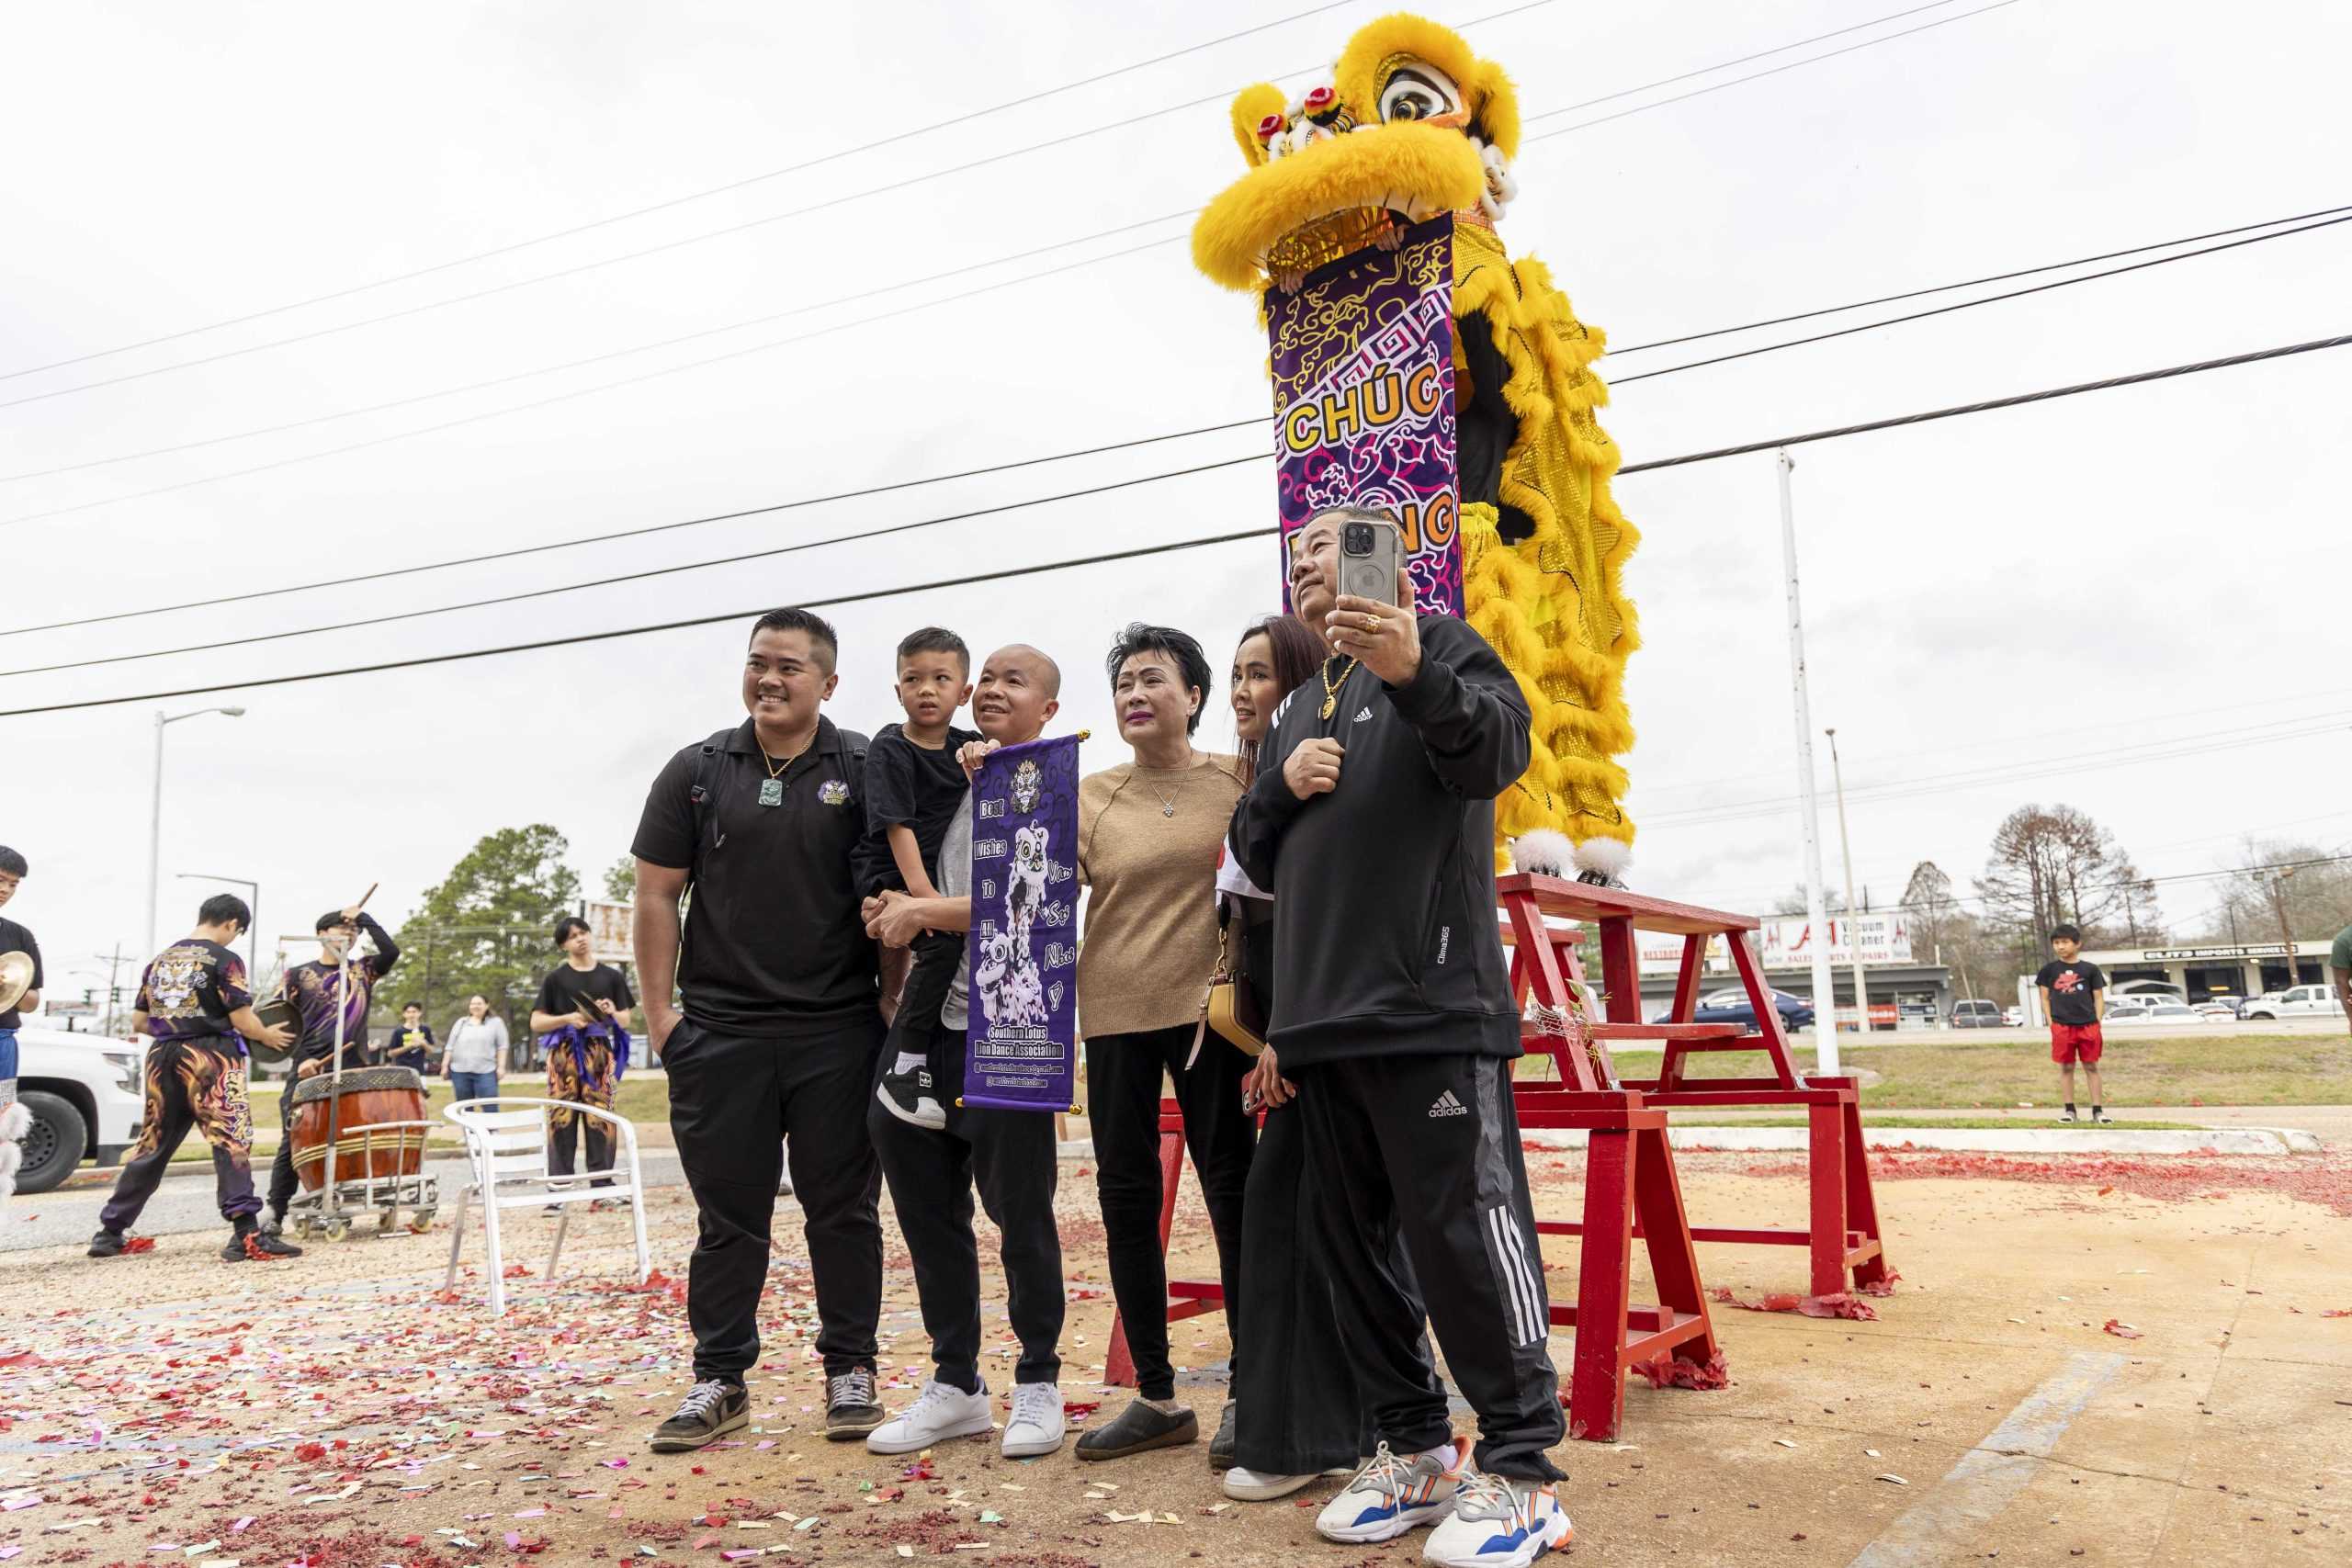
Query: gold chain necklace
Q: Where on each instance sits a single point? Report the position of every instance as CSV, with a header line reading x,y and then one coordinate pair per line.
x,y
772,787
1331,688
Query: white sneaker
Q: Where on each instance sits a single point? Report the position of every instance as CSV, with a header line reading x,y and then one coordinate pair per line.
x,y
1392,1494
1246,1485
939,1414
1036,1425
1500,1523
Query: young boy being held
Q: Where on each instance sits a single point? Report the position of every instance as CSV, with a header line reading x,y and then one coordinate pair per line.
x,y
914,787
2073,998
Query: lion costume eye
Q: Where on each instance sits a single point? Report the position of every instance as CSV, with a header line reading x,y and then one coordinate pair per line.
x,y
1416,90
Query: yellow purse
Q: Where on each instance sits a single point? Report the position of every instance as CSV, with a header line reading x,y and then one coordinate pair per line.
x,y
1232,1007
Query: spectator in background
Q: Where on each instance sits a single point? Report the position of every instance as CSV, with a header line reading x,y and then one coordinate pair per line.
x,y
477,1043
14,938
411,1044
2339,969
2073,998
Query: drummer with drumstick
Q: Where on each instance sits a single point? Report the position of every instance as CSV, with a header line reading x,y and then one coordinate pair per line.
x,y
321,992
582,1019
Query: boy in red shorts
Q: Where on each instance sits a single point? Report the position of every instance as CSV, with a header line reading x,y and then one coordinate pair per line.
x,y
2073,998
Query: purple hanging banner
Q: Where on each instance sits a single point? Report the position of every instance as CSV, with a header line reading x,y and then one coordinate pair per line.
x,y
1362,362
1020,1044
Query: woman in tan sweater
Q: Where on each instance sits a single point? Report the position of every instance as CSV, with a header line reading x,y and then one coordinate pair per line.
x,y
1148,833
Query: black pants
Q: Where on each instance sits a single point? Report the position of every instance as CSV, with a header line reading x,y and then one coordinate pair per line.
x,y
563,1146
733,1099
1008,1154
931,972
281,1167
1301,1408
1428,1145
1123,1083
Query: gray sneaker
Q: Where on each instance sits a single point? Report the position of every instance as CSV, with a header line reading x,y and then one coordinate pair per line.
x,y
1392,1494
708,1412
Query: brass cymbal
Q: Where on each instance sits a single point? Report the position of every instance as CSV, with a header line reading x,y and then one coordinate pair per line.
x,y
16,977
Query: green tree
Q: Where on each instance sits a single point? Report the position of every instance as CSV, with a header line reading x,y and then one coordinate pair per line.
x,y
485,928
620,879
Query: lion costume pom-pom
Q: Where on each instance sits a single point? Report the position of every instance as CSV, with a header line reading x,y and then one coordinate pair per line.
x,y
1412,124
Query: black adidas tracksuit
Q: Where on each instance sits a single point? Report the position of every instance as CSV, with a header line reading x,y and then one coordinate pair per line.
x,y
1394,1016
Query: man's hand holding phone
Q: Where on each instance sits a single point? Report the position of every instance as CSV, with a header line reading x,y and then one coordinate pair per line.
x,y
1314,767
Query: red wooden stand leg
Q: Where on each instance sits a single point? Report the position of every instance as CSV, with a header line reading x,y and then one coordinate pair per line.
x,y
1827,1167
1596,1374
1674,1257
1861,1203
1118,1362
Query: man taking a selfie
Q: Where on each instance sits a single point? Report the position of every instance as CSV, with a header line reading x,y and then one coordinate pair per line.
x,y
1372,820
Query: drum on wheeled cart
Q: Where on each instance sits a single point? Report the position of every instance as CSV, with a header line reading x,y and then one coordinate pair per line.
x,y
358,1140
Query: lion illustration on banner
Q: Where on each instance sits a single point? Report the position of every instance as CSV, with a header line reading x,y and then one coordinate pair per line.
x,y
1412,125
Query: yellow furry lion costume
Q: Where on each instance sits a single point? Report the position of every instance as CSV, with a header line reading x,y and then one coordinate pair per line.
x,y
1413,124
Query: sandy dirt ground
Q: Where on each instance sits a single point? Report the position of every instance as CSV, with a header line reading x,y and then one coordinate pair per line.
x,y
343,1409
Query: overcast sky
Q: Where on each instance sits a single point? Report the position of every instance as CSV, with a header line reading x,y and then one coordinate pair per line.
x,y
2040,587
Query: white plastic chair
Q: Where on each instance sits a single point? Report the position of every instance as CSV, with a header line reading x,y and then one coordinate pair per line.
x,y
507,1150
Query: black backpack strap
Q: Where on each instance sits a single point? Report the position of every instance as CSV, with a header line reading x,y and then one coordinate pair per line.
x,y
698,793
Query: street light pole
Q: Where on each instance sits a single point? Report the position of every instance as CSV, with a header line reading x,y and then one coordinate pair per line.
x,y
1824,987
1845,849
2286,930
155,817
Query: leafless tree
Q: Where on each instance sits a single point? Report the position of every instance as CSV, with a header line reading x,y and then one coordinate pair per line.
x,y
2054,865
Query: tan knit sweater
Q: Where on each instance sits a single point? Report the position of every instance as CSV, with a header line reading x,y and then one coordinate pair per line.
x,y
1150,941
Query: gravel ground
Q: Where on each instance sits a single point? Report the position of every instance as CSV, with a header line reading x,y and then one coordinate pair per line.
x,y
345,1410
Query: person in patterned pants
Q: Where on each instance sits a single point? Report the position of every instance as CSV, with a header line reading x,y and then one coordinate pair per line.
x,y
582,1019
194,1004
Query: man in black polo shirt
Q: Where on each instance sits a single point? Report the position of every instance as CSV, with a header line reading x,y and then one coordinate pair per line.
x,y
766,824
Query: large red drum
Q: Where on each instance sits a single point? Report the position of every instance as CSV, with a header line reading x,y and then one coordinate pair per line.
x,y
364,1145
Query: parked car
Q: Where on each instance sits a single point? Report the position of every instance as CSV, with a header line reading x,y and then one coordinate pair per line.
x,y
2014,1017
2163,1010
84,1095
2219,1006
1733,1007
2147,990
2128,1009
1975,1014
1925,1012
2295,1001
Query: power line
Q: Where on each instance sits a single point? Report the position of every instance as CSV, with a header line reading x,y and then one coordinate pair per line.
x,y
1072,267
665,206
639,576
1971,304
2017,400
805,211
633,533
2015,772
1063,139
2132,379
1759,75
970,580
1973,282
1001,468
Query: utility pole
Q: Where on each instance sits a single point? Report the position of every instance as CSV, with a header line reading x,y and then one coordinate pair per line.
x,y
1853,935
2286,930
1824,987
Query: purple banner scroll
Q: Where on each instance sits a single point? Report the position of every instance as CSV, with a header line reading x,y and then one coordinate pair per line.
x,y
1362,361
1021,1045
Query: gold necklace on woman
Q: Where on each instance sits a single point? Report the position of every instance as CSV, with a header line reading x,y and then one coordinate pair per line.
x,y
1331,687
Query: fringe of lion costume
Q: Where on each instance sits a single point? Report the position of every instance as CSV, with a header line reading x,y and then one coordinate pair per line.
x,y
1413,124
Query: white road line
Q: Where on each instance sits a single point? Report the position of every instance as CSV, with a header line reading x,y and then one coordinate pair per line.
x,y
1989,1476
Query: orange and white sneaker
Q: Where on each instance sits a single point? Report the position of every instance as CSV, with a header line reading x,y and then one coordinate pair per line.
x,y
1394,1494
1500,1523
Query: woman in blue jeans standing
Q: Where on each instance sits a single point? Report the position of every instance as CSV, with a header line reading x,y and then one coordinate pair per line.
x,y
477,1044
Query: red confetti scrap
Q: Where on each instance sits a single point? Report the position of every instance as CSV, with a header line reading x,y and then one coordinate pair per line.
x,y
2122,1330
140,1244
2337,1311
516,1272
1841,1304
1669,1372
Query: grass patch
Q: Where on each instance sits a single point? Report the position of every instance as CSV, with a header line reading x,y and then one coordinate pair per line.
x,y
2038,1122
1964,1073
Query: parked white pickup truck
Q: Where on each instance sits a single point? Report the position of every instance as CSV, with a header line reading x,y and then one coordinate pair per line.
x,y
83,1093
